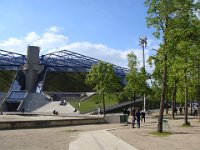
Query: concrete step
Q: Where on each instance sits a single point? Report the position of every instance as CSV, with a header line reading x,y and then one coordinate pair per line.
x,y
55,105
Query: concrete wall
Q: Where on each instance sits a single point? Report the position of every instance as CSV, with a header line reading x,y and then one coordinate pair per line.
x,y
114,118
48,123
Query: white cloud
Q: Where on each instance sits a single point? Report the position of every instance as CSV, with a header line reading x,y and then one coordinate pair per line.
x,y
99,51
32,36
47,41
13,44
54,29
51,40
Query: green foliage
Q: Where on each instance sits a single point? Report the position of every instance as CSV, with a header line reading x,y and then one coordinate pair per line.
x,y
66,82
132,77
176,21
155,91
135,80
6,78
102,77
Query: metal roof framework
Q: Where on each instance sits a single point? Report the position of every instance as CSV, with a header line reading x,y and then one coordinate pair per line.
x,y
61,61
11,60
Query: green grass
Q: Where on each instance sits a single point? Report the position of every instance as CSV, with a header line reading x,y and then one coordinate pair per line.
x,y
95,101
161,134
66,82
186,124
6,78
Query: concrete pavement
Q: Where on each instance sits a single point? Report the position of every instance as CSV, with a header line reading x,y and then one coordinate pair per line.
x,y
99,140
103,136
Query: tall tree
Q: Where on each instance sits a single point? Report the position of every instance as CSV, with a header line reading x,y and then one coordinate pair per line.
x,y
168,18
183,35
159,12
132,85
102,77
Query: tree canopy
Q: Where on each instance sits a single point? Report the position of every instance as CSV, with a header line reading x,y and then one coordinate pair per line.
x,y
103,78
177,24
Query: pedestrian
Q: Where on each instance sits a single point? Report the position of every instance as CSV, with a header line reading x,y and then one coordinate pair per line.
x,y
175,110
138,114
125,111
195,112
143,116
180,109
54,112
133,119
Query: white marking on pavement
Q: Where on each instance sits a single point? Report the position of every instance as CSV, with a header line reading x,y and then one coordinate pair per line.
x,y
99,140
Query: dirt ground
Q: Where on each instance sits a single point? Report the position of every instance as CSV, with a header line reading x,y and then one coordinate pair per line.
x,y
58,138
183,138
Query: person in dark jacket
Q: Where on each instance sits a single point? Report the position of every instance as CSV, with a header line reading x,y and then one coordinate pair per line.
x,y
138,114
125,111
143,116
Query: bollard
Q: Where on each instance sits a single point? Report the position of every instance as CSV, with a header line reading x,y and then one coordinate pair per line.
x,y
166,126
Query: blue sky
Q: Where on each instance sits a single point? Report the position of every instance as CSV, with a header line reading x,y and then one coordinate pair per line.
x,y
104,29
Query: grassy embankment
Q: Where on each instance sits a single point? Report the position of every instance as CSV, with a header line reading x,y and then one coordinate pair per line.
x,y
75,82
66,82
6,78
94,102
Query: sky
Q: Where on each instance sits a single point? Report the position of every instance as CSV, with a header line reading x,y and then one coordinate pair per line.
x,y
104,29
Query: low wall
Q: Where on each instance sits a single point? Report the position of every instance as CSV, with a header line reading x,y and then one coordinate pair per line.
x,y
114,118
49,123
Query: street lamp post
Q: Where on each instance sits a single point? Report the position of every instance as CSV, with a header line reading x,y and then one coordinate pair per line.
x,y
143,44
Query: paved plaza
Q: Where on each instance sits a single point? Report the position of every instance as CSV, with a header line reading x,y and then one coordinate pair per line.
x,y
104,137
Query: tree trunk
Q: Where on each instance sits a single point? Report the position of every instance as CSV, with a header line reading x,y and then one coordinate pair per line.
x,y
199,100
186,101
167,109
160,117
198,90
174,98
104,106
131,105
191,108
134,101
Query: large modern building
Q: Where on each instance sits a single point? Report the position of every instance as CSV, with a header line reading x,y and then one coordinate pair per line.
x,y
26,91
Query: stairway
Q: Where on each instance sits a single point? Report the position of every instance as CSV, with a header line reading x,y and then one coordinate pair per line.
x,y
34,101
55,105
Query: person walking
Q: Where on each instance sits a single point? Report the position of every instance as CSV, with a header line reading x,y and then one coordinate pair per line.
x,y
138,114
195,112
133,119
143,116
180,109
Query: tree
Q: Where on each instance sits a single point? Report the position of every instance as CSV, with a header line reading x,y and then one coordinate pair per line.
x,y
132,78
184,34
159,12
169,20
102,77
